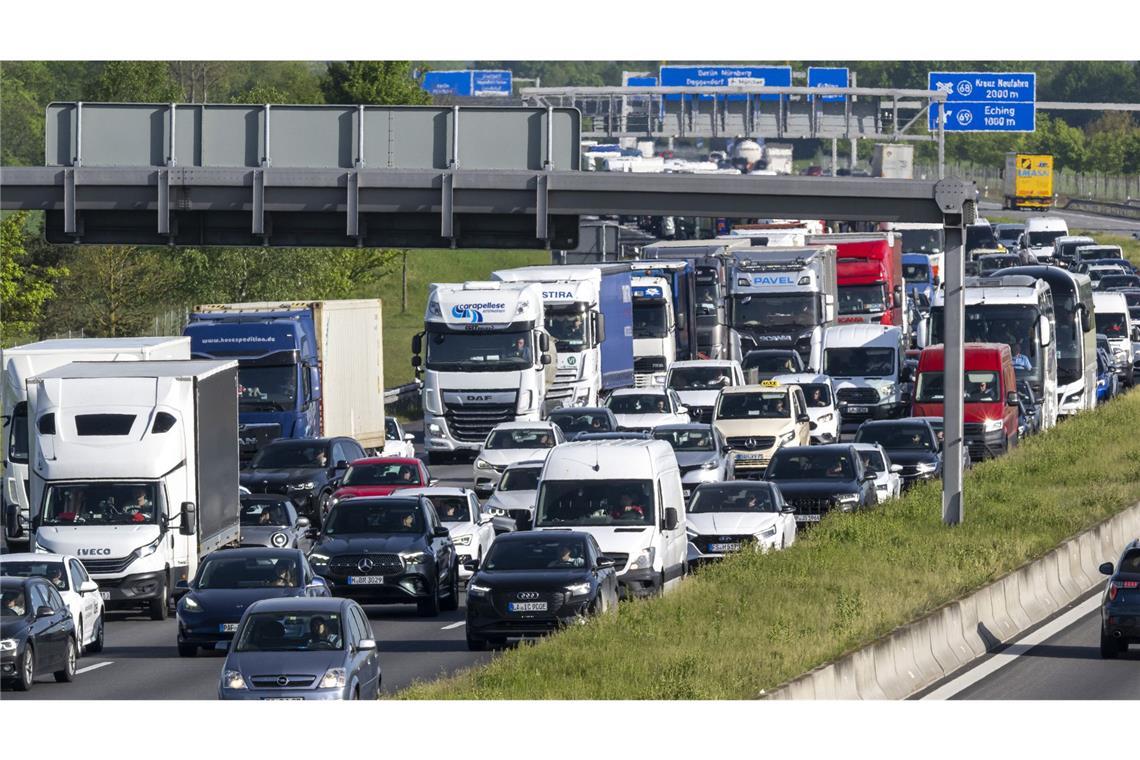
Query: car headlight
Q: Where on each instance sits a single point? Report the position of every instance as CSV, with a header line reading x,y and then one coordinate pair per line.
x,y
992,426
788,437
279,539
925,467
578,589
886,390
768,532
461,540
826,417
333,678
149,549
413,558
307,486
846,501
190,604
317,558
495,511
474,589
231,679
644,560
483,464
712,464
8,645
691,532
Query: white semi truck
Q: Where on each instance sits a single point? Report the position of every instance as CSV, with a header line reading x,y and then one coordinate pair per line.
x,y
21,362
485,357
135,471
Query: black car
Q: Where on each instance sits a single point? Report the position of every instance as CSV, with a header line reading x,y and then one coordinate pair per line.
x,y
38,632
230,580
1028,410
910,442
532,583
575,420
1120,605
817,479
766,363
388,550
302,469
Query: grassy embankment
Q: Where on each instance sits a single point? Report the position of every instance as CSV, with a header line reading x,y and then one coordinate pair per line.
x,y
424,267
755,621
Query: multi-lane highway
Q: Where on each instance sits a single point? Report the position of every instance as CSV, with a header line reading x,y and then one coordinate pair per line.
x,y
1077,220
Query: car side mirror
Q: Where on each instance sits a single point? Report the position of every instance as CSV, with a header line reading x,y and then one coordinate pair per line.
x,y
605,562
1011,398
182,585
670,518
1106,568
788,510
303,522
868,476
88,586
812,425
409,437
318,583
44,611
188,525
682,410
340,465
803,418
440,532
896,468
366,645
471,565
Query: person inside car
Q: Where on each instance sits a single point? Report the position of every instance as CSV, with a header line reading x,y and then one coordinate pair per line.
x,y
14,604
407,474
55,575
628,509
321,635
565,558
283,573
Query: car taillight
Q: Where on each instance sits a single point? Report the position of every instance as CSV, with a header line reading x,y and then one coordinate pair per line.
x,y
1115,586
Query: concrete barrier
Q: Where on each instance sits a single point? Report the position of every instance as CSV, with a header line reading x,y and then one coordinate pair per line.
x,y
918,654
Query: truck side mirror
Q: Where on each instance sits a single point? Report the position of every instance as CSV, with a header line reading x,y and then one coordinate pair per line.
x,y
1011,398
670,518
188,526
544,359
1086,319
417,343
1045,332
600,327
544,343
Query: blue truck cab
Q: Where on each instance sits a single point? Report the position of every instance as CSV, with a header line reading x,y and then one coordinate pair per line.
x,y
918,276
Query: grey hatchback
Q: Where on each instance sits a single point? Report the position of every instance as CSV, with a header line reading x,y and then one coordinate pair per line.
x,y
296,648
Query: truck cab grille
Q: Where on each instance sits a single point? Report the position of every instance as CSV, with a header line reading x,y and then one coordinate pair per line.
x,y
103,566
857,395
472,423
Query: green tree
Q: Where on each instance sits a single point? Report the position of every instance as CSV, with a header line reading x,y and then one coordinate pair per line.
x,y
24,287
372,82
136,82
114,290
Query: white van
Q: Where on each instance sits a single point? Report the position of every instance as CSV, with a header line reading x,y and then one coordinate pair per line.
x,y
1114,322
1040,234
698,382
627,495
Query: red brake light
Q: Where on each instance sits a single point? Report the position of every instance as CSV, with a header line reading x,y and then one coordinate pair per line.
x,y
1115,586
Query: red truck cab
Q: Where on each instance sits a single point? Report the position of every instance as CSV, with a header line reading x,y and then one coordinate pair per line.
x,y
869,271
990,396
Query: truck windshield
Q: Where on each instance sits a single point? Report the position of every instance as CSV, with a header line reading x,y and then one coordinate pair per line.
x,y
859,362
1045,237
568,329
102,503
916,272
479,352
922,241
763,405
699,378
707,298
997,323
18,435
595,502
274,388
650,319
775,311
863,299
979,387
980,236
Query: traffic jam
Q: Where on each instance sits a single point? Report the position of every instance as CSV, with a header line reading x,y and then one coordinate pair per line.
x,y
624,423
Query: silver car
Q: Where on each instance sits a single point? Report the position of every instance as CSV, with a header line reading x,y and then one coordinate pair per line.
x,y
700,451
269,520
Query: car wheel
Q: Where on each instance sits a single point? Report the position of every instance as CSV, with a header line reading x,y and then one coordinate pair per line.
x,y
429,607
1109,647
451,603
323,504
187,650
26,673
476,644
67,675
157,607
96,645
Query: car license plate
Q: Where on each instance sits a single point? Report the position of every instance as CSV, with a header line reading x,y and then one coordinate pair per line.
x,y
282,699
527,606
227,628
365,580
723,547
106,595
858,409
807,518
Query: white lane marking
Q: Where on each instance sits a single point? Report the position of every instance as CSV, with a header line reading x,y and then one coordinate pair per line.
x,y
1013,651
454,625
96,666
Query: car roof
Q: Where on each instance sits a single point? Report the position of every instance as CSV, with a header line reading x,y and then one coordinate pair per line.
x,y
865,446
245,552
826,448
34,557
299,604
580,410
684,426
539,535
386,460
528,463
17,580
523,425
656,391
899,421
266,498
430,491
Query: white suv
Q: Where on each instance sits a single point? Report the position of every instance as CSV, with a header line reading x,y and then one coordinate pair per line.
x,y
509,443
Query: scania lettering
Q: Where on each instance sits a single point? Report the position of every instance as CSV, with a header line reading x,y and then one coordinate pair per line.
x,y
135,471
21,362
589,314
486,359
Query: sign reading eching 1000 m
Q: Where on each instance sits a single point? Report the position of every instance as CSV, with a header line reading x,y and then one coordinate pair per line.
x,y
985,101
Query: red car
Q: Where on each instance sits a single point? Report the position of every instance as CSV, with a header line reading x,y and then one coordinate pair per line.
x,y
380,476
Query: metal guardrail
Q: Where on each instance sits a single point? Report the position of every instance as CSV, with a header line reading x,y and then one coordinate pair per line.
x,y
402,393
1104,208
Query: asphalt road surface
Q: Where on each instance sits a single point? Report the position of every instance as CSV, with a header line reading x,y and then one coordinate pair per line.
x,y
1077,220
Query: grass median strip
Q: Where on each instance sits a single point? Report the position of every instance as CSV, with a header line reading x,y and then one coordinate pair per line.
x,y
754,621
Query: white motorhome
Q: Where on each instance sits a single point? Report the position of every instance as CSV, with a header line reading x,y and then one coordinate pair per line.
x,y
135,471
21,362
487,359
865,362
627,494
654,330
1115,323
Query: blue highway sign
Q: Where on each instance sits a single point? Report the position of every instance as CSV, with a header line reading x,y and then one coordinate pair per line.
x,y
715,75
981,101
827,77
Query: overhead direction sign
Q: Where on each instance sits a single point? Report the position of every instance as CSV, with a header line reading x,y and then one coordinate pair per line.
x,y
467,83
985,101
716,75
822,76
447,82
495,83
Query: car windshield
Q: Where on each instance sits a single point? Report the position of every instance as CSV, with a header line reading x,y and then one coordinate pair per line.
x,y
1111,325
595,502
763,361
688,439
287,455
916,272
391,429
859,362
699,378
638,403
775,311
18,435
717,497
520,479
49,569
14,604
290,632
922,240
763,405
897,437
817,395
581,422
378,517
811,465
980,236
538,552
863,299
267,388
650,319
1044,237
521,438
994,263
1009,234
979,387
382,474
1108,282
452,507
248,572
101,503
479,351
568,330
873,461
254,513
1098,253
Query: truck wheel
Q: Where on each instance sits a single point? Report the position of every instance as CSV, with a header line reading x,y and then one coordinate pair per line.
x,y
157,607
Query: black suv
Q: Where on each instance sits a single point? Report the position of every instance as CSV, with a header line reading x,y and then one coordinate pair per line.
x,y
1120,605
302,469
817,479
911,442
388,550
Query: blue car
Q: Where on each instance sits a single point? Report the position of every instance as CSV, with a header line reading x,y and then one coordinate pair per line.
x,y
1120,604
294,649
1106,380
230,580
918,276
